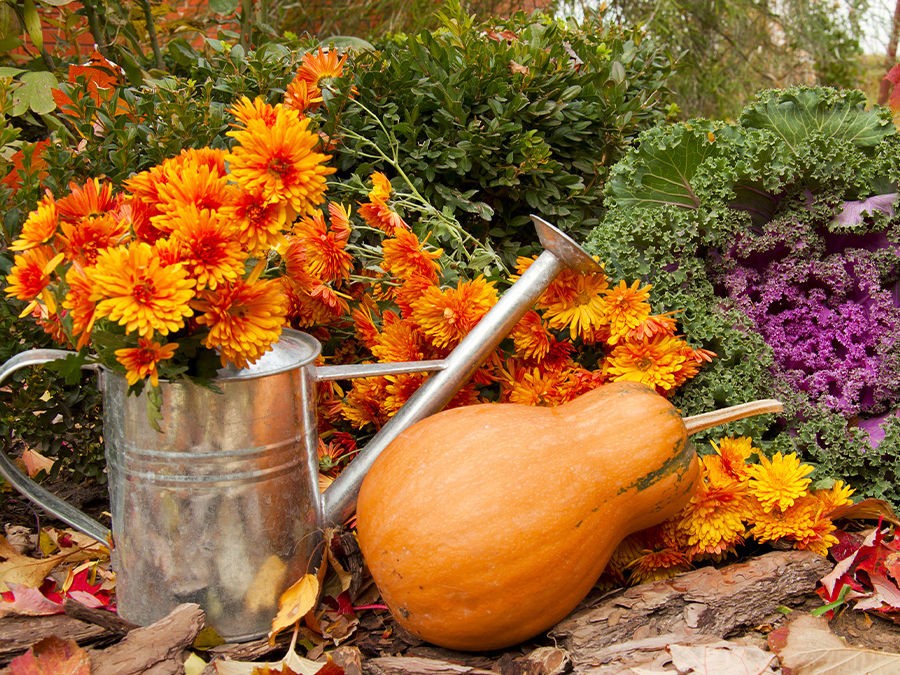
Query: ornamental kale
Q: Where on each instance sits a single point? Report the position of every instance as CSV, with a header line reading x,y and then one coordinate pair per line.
x,y
779,236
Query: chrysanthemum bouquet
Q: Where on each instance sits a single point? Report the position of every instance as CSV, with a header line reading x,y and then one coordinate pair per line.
x,y
192,266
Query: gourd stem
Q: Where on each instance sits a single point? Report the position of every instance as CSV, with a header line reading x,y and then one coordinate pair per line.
x,y
714,418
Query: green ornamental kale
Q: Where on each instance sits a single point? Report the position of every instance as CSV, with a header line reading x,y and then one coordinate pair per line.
x,y
779,237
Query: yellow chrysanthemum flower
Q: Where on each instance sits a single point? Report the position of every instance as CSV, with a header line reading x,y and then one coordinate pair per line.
x,y
279,162
626,308
84,238
780,481
714,520
655,363
579,305
39,227
133,288
836,496
797,521
447,316
141,362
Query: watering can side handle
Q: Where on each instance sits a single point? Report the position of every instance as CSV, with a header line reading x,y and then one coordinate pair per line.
x,y
22,483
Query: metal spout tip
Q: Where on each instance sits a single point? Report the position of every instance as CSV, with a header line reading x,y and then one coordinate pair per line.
x,y
564,247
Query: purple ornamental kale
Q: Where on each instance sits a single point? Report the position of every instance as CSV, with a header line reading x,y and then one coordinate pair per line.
x,y
832,325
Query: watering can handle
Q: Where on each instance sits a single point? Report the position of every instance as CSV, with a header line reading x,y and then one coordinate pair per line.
x,y
22,483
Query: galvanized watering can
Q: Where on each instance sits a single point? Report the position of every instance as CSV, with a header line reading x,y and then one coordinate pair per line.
x,y
222,506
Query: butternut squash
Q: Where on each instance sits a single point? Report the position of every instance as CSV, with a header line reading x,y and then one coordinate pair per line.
x,y
485,525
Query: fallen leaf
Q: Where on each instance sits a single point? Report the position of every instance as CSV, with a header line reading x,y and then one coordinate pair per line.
x,y
52,656
262,591
806,646
26,601
717,659
292,663
294,603
35,462
866,509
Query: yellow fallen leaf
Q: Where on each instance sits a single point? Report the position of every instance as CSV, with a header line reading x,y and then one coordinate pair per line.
x,y
27,571
294,603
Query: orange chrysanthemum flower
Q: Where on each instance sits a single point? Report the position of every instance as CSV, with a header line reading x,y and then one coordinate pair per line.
x,y
39,227
714,519
91,199
325,254
364,326
260,223
132,287
779,481
29,279
381,187
363,405
406,257
78,302
208,246
409,292
658,555
654,363
836,496
191,186
279,161
244,319
530,337
246,110
652,326
447,316
577,303
301,96
84,238
141,362
730,460
378,214
321,65
626,308
399,341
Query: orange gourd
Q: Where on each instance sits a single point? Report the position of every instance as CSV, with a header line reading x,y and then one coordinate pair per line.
x,y
485,525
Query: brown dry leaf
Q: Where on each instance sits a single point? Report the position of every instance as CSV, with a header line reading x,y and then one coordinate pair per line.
x,y
52,656
806,646
294,603
866,509
718,658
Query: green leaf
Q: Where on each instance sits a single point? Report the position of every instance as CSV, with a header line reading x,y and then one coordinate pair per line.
x,y
224,6
35,94
33,23
797,113
660,170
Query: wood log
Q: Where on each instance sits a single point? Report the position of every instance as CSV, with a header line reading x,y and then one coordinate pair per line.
x,y
417,665
156,649
709,601
20,632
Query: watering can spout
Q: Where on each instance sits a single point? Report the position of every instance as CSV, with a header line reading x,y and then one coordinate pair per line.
x,y
560,252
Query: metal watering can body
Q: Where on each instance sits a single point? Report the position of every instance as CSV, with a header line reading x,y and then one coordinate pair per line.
x,y
221,505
